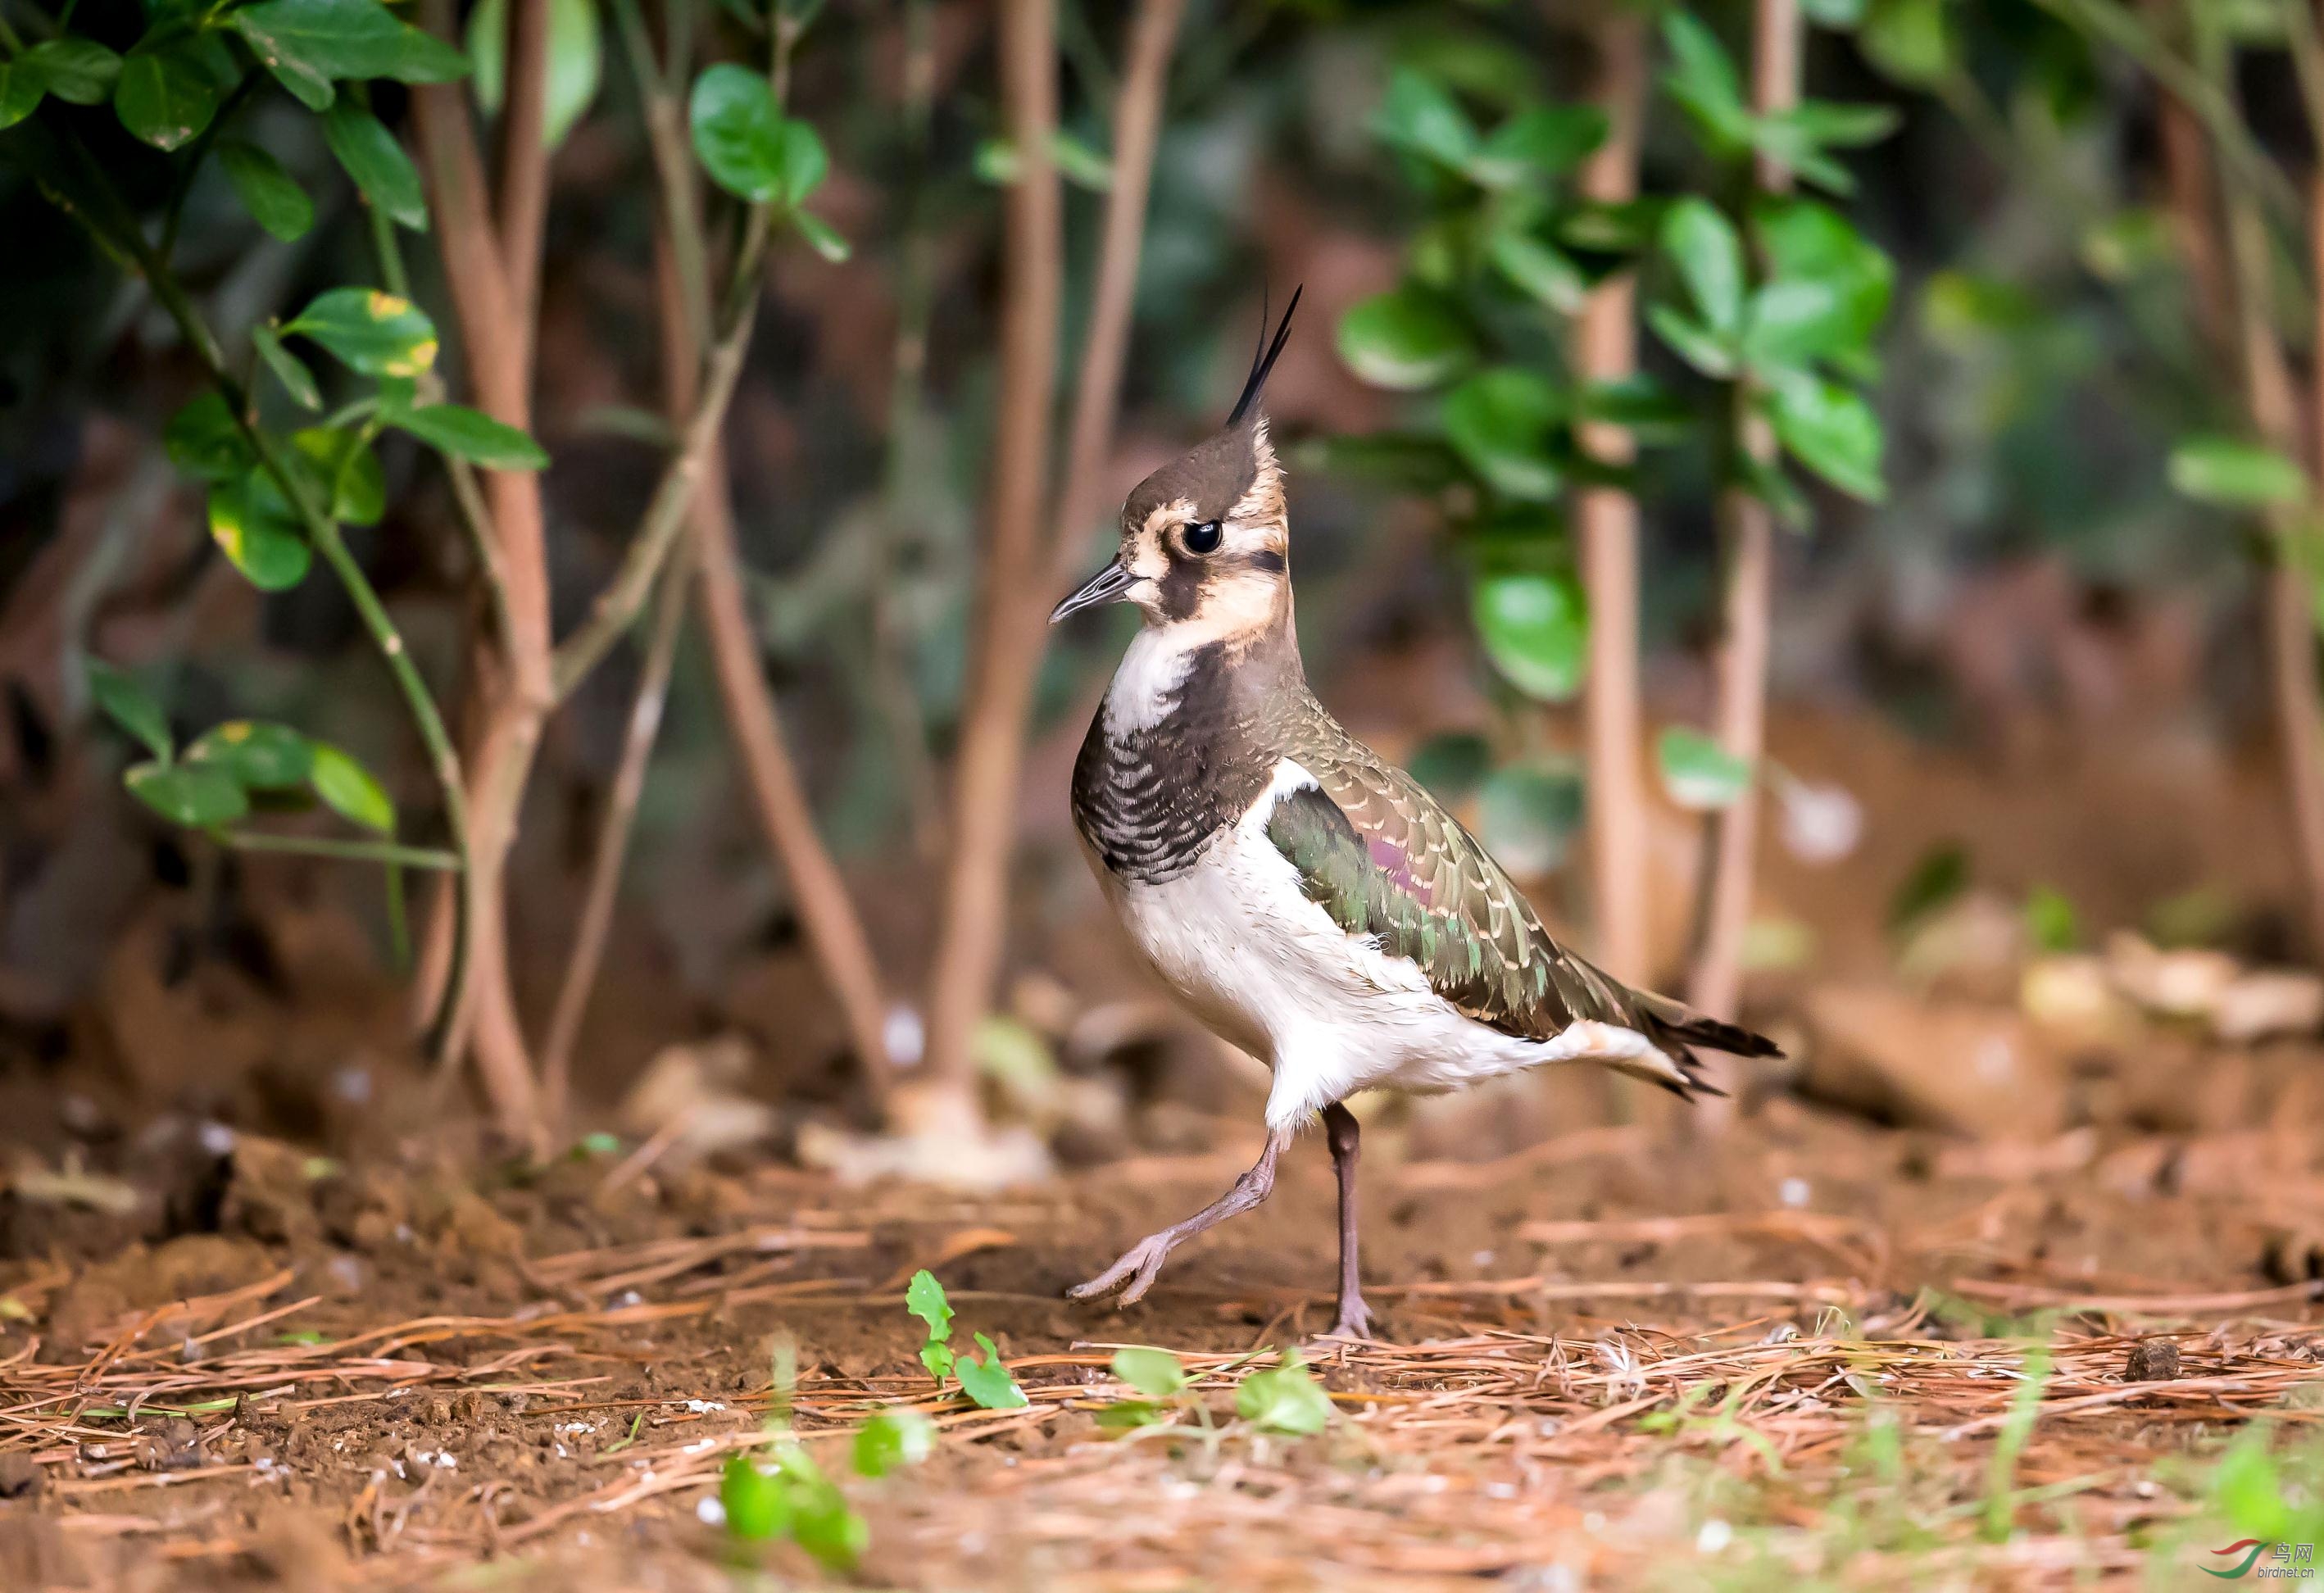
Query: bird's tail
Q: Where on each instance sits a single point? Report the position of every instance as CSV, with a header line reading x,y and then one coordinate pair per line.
x,y
1676,1030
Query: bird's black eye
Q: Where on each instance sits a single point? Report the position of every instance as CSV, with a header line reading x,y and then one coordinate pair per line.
x,y
1201,536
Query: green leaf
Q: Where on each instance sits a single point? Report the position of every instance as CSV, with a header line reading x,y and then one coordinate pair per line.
x,y
272,195
375,332
1829,124
1941,874
758,1507
80,71
1405,340
1420,118
2233,473
938,1359
375,164
924,1297
1536,627
1127,1415
1528,815
1692,342
126,703
1638,404
1832,430
204,442
1805,241
576,61
987,1381
1910,42
822,236
893,1439
2128,243
1699,773
289,369
996,162
1538,145
1791,324
749,147
1768,481
1156,1372
1538,269
249,521
257,757
820,1521
1081,163
2051,921
1285,1399
1611,229
1834,13
187,794
349,790
23,86
342,471
1499,421
1703,82
167,94
1708,251
309,44
471,435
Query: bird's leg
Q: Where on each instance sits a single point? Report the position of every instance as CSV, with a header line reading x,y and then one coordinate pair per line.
x,y
1143,1259
1340,1132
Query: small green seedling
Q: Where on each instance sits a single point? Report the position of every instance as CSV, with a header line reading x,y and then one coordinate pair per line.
x,y
893,1439
1285,1399
780,1492
987,1381
924,1297
1162,1378
788,1496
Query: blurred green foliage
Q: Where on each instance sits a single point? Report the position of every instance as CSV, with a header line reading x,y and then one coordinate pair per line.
x,y
1980,321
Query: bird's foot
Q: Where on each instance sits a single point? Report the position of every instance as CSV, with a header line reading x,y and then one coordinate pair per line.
x,y
1137,1268
1354,1321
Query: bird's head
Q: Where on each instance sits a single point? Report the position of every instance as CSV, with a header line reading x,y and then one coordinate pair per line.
x,y
1205,540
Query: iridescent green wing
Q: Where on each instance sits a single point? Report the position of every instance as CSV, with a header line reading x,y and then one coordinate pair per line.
x,y
1377,852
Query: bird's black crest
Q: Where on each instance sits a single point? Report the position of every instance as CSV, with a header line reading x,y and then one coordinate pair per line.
x,y
1262,359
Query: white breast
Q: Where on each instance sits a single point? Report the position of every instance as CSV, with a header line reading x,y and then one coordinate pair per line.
x,y
1269,970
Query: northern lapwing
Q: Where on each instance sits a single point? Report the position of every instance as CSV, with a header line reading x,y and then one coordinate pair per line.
x,y
1309,902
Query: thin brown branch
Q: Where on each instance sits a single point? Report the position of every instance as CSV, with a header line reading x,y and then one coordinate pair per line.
x,y
666,512
596,924
1605,349
834,932
1097,394
524,166
1748,613
514,683
1007,640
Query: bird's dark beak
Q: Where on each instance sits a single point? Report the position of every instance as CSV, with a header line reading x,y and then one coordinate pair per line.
x,y
1110,584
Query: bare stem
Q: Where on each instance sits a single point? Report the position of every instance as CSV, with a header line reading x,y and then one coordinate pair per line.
x,y
523,192
2273,405
1003,646
834,933
612,844
1097,392
1748,613
1605,349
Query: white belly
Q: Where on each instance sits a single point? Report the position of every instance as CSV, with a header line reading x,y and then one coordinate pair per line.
x,y
1268,969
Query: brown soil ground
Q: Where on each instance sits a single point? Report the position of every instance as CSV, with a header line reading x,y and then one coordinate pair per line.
x,y
407,1374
